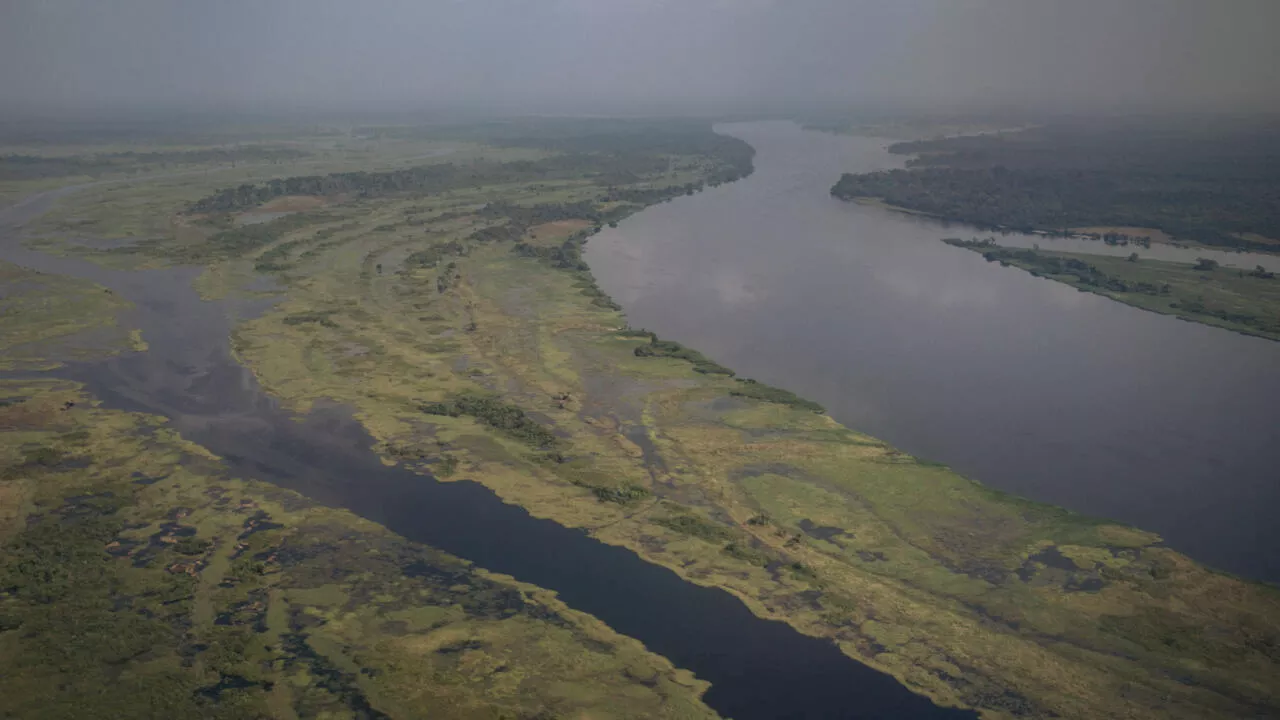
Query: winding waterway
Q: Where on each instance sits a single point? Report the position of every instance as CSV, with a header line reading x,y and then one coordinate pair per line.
x,y
1022,383
757,668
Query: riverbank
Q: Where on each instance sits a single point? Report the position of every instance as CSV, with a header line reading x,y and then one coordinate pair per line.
x,y
1243,302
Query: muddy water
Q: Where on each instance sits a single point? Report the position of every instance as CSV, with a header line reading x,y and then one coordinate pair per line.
x,y
1022,383
758,668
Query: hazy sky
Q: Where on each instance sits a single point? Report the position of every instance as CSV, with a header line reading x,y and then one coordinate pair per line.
x,y
637,55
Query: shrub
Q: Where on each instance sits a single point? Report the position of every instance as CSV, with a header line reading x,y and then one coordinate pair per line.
x,y
768,393
493,412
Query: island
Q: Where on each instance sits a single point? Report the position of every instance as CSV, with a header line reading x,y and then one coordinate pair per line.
x,y
1246,302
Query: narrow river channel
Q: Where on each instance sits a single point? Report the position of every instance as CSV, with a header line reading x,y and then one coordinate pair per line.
x,y
758,669
1021,383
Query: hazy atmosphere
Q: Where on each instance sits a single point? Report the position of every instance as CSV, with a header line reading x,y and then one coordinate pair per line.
x,y
566,56
639,359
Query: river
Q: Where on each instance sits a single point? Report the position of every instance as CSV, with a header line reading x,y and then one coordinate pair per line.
x,y
758,669
1022,383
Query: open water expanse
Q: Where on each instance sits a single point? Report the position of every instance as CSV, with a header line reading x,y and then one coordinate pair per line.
x,y
1022,383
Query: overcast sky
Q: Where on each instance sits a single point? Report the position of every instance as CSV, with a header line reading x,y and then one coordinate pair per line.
x,y
576,56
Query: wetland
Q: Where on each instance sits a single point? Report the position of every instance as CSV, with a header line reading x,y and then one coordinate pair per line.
x,y
430,466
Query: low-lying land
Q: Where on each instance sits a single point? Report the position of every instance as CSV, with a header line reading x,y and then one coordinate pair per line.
x,y
1244,301
139,579
1215,184
47,315
474,346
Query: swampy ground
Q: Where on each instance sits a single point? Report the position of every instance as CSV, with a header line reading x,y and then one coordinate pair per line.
x,y
460,325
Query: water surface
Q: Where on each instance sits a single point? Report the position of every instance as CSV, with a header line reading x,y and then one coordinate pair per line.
x,y
1022,383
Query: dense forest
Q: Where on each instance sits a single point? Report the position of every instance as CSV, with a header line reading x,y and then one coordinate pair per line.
x,y
1214,184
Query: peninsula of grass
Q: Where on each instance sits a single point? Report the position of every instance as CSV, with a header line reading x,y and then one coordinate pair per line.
x,y
1244,301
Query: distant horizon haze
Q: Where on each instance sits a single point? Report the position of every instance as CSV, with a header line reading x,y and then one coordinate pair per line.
x,y
622,57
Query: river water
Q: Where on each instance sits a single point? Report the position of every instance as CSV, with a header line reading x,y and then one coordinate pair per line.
x,y
758,669
1022,383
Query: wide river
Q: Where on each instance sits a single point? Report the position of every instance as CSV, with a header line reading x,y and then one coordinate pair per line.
x,y
1021,383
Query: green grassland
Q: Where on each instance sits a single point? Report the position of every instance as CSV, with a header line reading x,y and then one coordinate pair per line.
x,y
139,580
474,348
1243,301
49,315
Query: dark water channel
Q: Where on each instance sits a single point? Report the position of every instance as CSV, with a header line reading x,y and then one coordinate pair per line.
x,y
1022,383
758,668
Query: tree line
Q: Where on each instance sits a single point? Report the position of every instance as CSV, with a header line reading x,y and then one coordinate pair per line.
x,y
1196,184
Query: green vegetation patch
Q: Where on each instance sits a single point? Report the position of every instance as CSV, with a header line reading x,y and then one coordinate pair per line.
x,y
491,411
48,319
695,526
1244,301
149,584
672,349
759,391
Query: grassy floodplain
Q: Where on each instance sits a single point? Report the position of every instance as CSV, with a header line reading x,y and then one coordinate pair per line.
x,y
1243,301
460,324
47,315
140,578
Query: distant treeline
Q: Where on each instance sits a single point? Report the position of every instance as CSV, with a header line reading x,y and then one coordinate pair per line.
x,y
610,160
1206,184
434,178
640,157
652,140
35,167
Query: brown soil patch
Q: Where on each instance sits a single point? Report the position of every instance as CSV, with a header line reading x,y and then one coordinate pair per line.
x,y
292,203
1157,236
555,233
